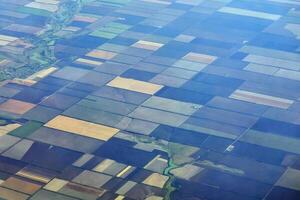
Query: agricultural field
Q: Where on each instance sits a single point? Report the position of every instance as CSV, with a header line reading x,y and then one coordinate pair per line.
x,y
150,99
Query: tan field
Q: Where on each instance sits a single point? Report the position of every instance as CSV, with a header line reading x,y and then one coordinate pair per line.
x,y
135,85
101,54
196,57
12,195
81,127
156,180
21,185
16,107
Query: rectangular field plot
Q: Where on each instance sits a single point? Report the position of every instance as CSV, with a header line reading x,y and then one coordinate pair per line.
x,y
81,127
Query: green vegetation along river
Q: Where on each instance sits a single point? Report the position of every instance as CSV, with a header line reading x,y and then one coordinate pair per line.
x,y
41,54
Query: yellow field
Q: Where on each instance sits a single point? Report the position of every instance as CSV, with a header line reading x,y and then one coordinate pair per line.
x,y
42,74
88,62
135,85
103,165
8,128
124,171
147,45
55,185
119,197
156,180
81,127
